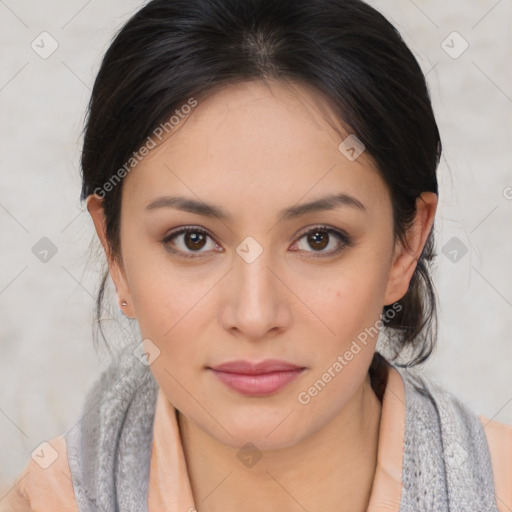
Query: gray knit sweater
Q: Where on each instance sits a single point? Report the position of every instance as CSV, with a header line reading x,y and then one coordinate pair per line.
x,y
446,460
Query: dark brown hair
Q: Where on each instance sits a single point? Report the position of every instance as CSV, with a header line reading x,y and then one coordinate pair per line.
x,y
172,50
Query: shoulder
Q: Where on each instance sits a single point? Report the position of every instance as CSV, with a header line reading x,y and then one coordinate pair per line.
x,y
44,484
499,439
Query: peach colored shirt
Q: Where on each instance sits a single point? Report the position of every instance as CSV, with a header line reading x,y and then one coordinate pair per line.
x,y
41,490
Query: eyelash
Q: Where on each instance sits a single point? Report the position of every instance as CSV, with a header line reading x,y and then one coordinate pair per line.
x,y
346,240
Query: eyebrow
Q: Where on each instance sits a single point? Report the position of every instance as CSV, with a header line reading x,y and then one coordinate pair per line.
x,y
325,203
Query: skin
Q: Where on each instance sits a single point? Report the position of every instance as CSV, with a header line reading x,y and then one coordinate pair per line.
x,y
254,149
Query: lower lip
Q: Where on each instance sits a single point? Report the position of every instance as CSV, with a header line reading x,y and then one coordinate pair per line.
x,y
258,385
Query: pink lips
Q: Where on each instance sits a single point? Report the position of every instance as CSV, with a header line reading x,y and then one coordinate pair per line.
x,y
259,379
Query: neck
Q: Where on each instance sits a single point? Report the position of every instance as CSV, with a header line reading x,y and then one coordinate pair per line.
x,y
331,470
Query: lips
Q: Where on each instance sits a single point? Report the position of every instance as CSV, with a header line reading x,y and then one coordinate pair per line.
x,y
248,368
257,379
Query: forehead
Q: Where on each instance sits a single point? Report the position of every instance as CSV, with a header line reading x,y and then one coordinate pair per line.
x,y
255,140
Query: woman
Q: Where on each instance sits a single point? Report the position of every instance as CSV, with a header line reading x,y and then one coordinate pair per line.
x,y
262,178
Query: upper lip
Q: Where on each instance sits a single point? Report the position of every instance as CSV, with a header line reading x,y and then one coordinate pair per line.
x,y
249,368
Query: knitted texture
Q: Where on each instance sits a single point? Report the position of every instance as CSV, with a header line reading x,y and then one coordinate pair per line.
x,y
446,461
109,448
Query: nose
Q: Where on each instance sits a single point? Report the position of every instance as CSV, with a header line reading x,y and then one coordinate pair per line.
x,y
257,301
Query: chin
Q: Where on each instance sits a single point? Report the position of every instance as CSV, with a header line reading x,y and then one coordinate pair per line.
x,y
254,439
266,432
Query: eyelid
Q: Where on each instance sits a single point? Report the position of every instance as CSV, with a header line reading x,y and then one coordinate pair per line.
x,y
183,230
346,239
321,227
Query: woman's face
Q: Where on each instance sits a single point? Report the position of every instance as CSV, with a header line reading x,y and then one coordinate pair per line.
x,y
247,282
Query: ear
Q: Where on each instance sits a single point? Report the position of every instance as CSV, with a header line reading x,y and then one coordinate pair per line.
x,y
95,208
406,256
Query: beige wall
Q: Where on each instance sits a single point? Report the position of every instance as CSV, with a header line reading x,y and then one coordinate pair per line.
x,y
47,361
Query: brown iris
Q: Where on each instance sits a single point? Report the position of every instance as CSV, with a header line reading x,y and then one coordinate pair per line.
x,y
194,240
318,239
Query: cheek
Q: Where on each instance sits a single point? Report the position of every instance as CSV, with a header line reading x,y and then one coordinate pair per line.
x,y
165,298
353,297
349,307
163,294
166,307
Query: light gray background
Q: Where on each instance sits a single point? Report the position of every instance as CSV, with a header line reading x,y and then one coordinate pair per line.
x,y
47,360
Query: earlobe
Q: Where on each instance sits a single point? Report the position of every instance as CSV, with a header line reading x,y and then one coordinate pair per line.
x,y
407,255
95,209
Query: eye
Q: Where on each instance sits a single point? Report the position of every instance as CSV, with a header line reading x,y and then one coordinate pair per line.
x,y
188,240
320,237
